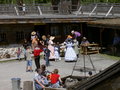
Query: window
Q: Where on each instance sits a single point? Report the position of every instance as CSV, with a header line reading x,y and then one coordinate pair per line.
x,y
2,36
19,36
67,29
55,31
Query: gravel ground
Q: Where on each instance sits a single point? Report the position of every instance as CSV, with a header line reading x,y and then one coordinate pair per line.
x,y
16,69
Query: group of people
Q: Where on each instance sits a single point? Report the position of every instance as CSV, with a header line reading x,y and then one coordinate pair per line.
x,y
44,78
72,51
51,52
51,49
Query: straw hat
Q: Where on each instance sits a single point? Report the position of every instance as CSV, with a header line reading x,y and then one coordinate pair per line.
x,y
51,37
33,33
72,31
84,38
69,36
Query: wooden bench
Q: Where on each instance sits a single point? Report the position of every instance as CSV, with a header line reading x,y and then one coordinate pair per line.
x,y
90,49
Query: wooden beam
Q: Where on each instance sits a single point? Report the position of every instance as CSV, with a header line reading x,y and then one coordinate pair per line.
x,y
101,30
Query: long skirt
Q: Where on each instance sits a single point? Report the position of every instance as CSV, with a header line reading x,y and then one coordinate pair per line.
x,y
52,53
70,54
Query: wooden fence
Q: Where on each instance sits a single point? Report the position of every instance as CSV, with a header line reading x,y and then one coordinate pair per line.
x,y
95,9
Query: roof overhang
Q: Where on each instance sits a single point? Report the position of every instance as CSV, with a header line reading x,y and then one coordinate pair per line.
x,y
105,23
43,19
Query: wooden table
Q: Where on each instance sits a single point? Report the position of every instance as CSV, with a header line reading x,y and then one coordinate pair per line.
x,y
90,48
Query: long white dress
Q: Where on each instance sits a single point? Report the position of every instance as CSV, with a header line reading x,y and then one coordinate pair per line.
x,y
70,54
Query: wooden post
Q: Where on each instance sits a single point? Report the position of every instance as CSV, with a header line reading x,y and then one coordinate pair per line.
x,y
28,85
101,30
81,29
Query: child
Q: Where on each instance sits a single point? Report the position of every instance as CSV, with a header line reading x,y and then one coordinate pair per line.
x,y
57,55
18,53
55,79
58,45
47,55
44,71
29,59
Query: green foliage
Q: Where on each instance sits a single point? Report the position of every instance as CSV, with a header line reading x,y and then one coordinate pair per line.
x,y
7,1
100,1
48,1
24,1
42,1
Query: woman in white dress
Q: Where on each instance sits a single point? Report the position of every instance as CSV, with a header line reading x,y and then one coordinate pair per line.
x,y
70,54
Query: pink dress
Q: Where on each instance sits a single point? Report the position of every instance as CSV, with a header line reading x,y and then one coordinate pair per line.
x,y
51,48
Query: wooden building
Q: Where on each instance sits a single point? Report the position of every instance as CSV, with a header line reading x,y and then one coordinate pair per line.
x,y
15,26
104,30
19,28
14,30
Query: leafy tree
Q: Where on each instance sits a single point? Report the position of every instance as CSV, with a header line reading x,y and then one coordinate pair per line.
x,y
56,1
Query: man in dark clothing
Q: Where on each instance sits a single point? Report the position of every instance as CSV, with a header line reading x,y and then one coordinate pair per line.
x,y
25,45
116,44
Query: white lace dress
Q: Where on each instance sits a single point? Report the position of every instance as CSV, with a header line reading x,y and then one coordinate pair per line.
x,y
57,56
70,54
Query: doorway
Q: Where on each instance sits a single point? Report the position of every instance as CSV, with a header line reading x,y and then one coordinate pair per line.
x,y
41,29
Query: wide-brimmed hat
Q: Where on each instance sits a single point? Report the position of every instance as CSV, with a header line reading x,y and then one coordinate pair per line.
x,y
84,38
51,37
72,31
33,33
69,36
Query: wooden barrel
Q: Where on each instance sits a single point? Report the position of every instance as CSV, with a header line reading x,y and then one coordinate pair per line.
x,y
28,85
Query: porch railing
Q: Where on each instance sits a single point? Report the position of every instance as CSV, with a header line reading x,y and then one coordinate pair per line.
x,y
88,10
98,9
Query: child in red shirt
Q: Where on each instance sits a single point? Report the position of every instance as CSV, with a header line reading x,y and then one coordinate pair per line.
x,y
18,53
55,79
